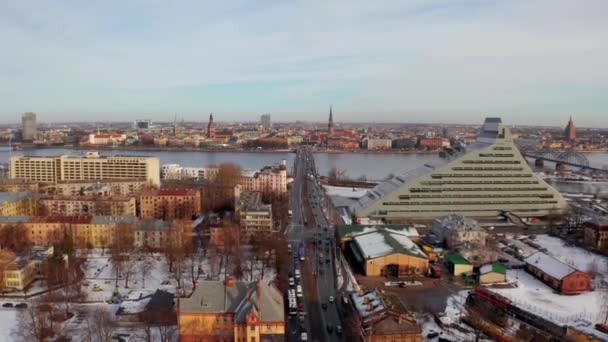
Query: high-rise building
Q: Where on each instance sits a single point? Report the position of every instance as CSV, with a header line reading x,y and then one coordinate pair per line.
x,y
211,127
265,121
28,126
330,125
92,167
570,131
490,179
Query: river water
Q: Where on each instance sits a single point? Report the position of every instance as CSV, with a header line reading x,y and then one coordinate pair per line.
x,y
373,166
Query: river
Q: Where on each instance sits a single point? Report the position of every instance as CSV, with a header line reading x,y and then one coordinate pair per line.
x,y
373,166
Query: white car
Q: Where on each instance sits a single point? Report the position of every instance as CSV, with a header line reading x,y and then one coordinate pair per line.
x,y
331,299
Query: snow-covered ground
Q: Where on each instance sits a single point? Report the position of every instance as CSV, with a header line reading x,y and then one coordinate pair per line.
x,y
8,317
348,192
99,271
533,295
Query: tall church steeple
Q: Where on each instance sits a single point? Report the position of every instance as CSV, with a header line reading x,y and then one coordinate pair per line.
x,y
570,132
330,125
211,127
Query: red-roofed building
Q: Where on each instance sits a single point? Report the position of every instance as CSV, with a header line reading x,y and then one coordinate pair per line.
x,y
170,204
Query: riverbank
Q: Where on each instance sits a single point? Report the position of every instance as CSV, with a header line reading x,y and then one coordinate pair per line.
x,y
219,150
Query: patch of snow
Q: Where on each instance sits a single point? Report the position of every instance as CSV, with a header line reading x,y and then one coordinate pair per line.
x,y
575,256
348,192
533,295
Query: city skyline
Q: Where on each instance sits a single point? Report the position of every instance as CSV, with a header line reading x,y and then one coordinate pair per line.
x,y
531,63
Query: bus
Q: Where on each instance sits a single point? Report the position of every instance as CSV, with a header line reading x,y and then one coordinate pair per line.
x,y
301,252
292,302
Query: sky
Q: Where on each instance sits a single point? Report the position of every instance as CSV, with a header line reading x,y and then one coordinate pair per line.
x,y
529,61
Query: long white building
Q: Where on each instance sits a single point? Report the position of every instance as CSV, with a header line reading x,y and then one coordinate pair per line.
x,y
490,179
90,167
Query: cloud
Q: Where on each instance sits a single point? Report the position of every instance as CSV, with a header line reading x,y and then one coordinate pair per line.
x,y
450,60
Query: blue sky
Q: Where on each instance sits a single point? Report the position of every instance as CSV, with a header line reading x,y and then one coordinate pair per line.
x,y
529,61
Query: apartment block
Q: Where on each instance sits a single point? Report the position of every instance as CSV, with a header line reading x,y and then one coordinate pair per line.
x,y
255,218
170,204
156,234
117,187
270,179
90,167
87,205
17,203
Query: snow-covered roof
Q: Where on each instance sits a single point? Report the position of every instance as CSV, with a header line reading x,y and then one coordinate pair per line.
x,y
550,265
378,243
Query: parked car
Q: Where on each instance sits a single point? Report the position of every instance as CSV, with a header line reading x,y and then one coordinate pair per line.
x,y
339,329
21,306
7,305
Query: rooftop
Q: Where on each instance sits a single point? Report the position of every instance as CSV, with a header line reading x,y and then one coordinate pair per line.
x,y
495,267
381,242
169,192
358,229
153,225
456,222
101,219
12,197
550,265
457,259
241,298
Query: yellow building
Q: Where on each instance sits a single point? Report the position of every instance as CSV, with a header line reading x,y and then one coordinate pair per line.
x,y
170,204
20,271
91,167
87,205
232,311
156,234
270,179
459,265
387,252
17,203
492,273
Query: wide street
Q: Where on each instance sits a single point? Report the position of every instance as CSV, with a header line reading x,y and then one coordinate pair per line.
x,y
309,228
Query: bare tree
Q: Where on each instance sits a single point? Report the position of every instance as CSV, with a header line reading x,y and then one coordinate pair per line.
x,y
122,246
14,237
145,267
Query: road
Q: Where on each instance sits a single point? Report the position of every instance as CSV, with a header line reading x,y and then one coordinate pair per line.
x,y
309,227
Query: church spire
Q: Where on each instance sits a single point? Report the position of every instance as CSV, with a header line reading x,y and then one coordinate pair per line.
x,y
210,117
330,125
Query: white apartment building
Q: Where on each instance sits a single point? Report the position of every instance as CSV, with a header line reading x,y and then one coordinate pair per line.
x,y
90,167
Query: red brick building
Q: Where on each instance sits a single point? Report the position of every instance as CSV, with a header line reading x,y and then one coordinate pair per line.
x,y
558,275
596,233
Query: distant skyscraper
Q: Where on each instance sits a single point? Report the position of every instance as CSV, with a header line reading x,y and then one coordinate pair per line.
x,y
142,124
211,127
265,121
28,126
330,125
570,132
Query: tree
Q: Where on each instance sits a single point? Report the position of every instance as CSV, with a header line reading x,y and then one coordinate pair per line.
x,y
336,175
122,246
14,238
145,267
35,323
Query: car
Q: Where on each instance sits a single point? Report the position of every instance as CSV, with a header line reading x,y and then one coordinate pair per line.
x,y
290,274
432,334
7,305
320,261
324,306
327,260
21,306
330,328
331,299
339,329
